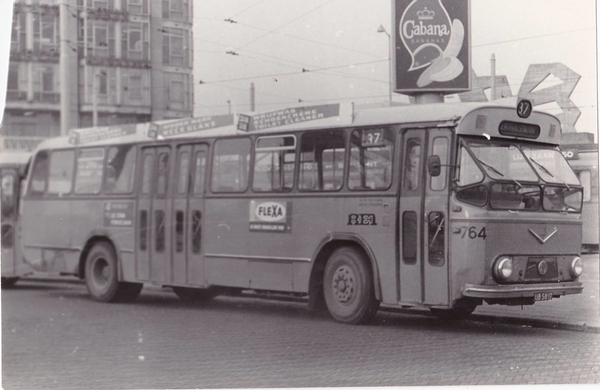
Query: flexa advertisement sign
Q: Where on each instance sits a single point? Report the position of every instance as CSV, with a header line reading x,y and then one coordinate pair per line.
x,y
432,46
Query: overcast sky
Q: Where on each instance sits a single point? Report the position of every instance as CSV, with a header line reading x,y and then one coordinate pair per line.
x,y
337,42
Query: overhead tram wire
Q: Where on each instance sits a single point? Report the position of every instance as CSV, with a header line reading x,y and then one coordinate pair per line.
x,y
291,73
246,9
285,24
299,64
532,37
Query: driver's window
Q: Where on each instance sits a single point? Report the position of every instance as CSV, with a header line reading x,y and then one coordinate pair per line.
x,y
469,171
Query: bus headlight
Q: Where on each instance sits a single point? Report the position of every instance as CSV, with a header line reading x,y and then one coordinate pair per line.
x,y
576,267
503,268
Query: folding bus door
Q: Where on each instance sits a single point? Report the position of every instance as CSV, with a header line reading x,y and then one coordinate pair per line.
x,y
10,188
153,211
423,235
188,205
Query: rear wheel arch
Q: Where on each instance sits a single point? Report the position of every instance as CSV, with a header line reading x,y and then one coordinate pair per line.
x,y
95,238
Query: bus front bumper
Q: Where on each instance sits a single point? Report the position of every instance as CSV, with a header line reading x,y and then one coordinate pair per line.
x,y
521,291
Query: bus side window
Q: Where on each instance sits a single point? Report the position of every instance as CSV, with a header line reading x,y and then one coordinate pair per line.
x,y
88,176
200,168
371,152
230,168
274,163
39,174
411,164
322,160
120,169
60,178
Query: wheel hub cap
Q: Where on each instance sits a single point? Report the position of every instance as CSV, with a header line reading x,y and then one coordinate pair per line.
x,y
343,284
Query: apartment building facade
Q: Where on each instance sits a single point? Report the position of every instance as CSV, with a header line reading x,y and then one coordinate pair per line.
x,y
121,61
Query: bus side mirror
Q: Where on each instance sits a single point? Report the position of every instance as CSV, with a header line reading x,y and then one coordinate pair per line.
x,y
434,165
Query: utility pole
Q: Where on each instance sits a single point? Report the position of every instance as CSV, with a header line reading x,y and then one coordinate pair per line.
x,y
493,76
94,99
64,74
252,97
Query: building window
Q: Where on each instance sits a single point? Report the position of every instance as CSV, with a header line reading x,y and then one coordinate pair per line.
x,y
19,32
13,77
100,38
44,32
101,4
175,44
135,6
134,41
177,91
135,87
174,9
102,83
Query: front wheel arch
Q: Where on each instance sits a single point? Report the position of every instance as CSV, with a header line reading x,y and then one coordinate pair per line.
x,y
316,301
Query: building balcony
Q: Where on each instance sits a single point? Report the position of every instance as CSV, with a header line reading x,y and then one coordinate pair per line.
x,y
46,97
45,9
16,96
117,62
51,56
108,14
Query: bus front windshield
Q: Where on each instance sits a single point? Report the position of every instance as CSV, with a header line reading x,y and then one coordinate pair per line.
x,y
510,162
528,177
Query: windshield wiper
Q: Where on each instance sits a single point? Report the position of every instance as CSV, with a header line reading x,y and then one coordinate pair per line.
x,y
543,168
497,171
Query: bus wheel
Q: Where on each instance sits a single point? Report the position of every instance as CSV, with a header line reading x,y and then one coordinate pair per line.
x,y
8,282
194,295
101,276
348,287
453,314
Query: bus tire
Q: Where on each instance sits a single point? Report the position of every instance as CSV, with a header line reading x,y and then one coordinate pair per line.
x,y
101,276
8,282
194,295
348,287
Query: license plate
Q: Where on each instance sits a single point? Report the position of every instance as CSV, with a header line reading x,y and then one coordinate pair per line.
x,y
542,296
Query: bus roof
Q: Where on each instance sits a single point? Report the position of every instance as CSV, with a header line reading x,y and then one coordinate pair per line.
x,y
14,158
471,118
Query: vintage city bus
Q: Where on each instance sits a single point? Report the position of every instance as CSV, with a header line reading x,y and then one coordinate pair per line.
x,y
583,158
442,206
12,170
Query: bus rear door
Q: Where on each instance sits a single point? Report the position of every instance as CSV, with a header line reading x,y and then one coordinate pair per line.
x,y
423,235
188,209
10,187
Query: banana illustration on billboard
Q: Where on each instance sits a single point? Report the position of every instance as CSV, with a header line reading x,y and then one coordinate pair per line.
x,y
446,67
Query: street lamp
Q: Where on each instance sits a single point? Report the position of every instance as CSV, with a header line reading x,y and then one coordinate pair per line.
x,y
381,29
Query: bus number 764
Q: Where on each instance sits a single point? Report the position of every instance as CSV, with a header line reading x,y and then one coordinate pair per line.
x,y
473,233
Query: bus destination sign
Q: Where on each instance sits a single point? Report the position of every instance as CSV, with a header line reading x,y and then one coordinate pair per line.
x,y
517,129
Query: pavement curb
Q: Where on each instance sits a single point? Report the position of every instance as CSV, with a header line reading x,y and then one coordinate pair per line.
x,y
520,321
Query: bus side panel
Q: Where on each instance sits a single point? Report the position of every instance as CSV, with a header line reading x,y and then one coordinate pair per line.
x,y
590,223
225,242
46,235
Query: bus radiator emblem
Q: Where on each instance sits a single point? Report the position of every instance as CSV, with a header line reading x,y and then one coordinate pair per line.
x,y
543,240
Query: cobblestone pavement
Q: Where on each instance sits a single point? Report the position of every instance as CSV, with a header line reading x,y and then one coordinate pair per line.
x,y
55,336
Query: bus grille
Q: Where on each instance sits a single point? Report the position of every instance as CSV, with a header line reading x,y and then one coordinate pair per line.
x,y
532,272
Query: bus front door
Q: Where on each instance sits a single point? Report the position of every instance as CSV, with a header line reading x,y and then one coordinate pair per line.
x,y
423,235
188,208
